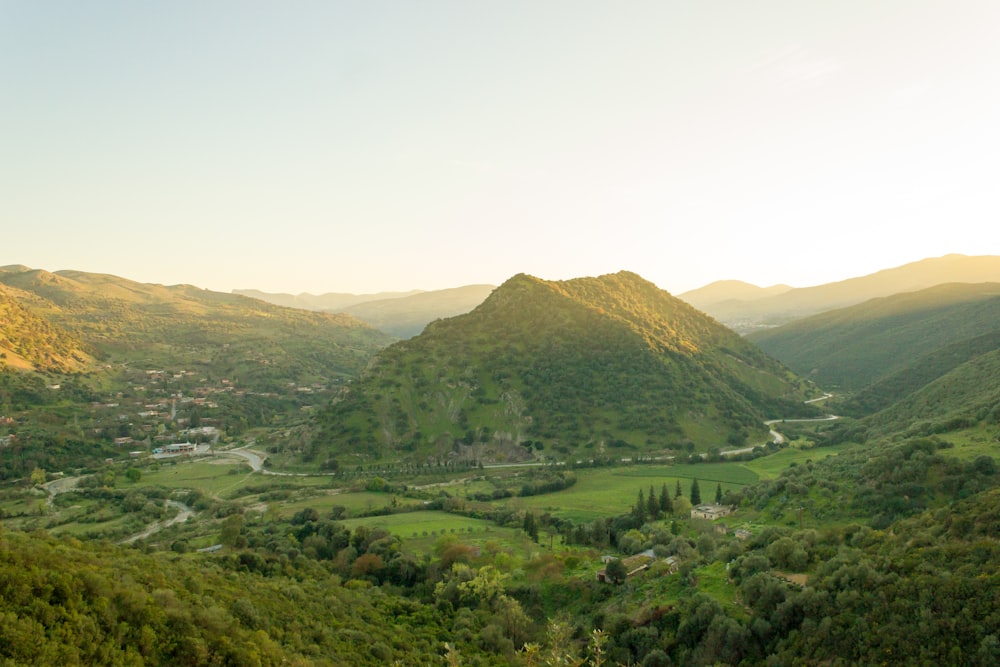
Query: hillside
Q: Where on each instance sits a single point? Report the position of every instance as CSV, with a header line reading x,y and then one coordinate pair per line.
x,y
747,315
592,367
889,390
30,342
962,397
850,348
124,320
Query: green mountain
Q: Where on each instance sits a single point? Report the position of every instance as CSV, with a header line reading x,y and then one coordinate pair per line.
x,y
757,311
961,397
851,348
592,367
889,390
122,320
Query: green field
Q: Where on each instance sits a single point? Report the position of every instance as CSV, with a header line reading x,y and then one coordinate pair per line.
x,y
604,492
769,467
223,477
423,531
972,442
424,524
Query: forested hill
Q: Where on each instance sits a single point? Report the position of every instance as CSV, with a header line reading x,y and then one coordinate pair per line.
x,y
853,347
592,367
181,324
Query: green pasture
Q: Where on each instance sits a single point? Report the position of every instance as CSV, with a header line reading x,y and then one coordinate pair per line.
x,y
422,531
424,524
981,440
605,492
218,476
354,502
208,476
769,467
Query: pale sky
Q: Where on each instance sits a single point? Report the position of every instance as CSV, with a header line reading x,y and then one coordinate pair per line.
x,y
365,146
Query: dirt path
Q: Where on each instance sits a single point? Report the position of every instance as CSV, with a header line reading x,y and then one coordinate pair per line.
x,y
183,515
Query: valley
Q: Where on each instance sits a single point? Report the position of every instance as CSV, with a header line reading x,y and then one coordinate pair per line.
x,y
574,472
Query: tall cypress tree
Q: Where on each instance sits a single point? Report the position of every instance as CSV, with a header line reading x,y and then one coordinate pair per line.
x,y
718,494
652,505
677,491
666,507
639,512
695,493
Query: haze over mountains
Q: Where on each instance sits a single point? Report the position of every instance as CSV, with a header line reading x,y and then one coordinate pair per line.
x,y
742,306
745,307
401,314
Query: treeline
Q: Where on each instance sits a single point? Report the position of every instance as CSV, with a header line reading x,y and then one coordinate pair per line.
x,y
67,603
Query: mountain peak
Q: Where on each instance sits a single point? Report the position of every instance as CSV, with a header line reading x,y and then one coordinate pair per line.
x,y
573,366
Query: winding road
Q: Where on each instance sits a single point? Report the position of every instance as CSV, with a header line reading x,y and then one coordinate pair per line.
x,y
776,437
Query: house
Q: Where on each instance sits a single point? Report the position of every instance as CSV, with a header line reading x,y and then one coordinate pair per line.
x,y
743,534
121,442
180,448
710,511
673,564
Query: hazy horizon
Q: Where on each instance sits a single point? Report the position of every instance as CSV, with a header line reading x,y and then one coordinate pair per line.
x,y
388,146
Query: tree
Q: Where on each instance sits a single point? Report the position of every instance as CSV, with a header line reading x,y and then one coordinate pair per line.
x,y
695,493
666,507
531,526
232,527
677,491
653,505
615,571
38,476
718,494
639,511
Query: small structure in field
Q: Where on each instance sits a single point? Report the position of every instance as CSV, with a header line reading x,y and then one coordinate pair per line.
x,y
710,511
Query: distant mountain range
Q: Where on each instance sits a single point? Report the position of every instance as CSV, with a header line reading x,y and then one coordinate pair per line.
x,y
589,367
739,305
746,308
401,314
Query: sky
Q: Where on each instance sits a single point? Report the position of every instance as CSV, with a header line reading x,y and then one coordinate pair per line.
x,y
335,146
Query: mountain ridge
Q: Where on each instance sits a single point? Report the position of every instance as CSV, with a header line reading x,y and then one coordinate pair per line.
x,y
767,311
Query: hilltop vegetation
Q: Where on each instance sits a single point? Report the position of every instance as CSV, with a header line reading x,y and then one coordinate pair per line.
x,y
574,368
